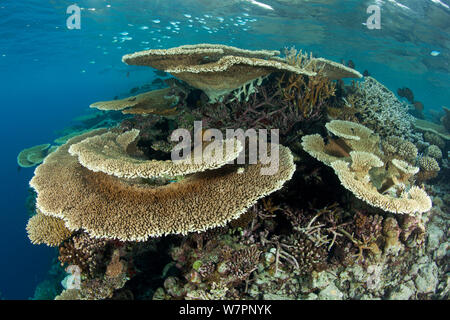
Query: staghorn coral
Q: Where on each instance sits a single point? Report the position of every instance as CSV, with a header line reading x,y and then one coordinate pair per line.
x,y
108,153
302,254
31,157
308,94
244,262
161,102
46,229
265,108
107,207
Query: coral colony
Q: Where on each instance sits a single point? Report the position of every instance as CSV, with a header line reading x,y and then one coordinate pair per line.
x,y
167,194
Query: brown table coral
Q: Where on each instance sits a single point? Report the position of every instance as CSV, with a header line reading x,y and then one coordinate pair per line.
x,y
109,207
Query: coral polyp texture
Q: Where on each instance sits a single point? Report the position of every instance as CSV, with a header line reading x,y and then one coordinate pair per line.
x,y
108,153
47,229
356,169
215,69
154,102
107,207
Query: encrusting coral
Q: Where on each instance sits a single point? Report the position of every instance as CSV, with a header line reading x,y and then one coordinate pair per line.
x,y
47,229
107,207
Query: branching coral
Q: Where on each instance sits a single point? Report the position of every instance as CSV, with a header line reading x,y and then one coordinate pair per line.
x,y
434,152
265,108
396,147
85,252
308,94
381,111
46,229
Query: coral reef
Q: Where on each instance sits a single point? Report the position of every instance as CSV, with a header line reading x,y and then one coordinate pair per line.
x,y
367,220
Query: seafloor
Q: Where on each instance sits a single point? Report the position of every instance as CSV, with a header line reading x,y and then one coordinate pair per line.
x,y
358,209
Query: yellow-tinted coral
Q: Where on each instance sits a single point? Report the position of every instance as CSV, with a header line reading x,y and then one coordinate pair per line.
x,y
108,153
69,294
46,229
160,102
107,207
332,70
414,201
370,174
215,69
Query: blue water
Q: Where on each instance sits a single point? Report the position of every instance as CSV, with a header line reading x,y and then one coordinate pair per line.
x,y
50,74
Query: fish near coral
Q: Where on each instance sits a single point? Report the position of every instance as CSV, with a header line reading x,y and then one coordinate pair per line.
x,y
406,93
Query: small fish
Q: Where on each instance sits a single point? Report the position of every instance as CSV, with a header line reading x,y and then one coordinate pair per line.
x,y
128,74
156,21
435,53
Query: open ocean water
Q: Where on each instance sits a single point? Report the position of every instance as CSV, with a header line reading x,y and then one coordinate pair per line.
x,y
51,74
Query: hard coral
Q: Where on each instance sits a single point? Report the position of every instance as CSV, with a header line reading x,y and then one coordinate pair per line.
x,y
107,207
